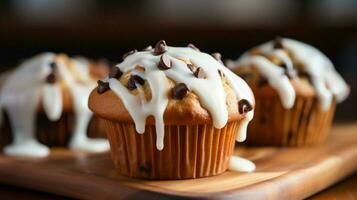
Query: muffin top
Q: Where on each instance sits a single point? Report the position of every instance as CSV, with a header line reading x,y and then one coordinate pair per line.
x,y
292,67
50,83
172,86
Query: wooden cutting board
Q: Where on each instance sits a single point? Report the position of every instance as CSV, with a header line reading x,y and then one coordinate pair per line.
x,y
282,173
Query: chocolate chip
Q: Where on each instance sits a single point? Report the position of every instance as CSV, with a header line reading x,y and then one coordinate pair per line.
x,y
160,47
200,73
179,91
262,82
115,73
53,65
129,53
51,78
283,65
221,74
165,62
148,48
145,168
192,67
246,76
102,87
244,106
193,47
133,80
278,43
217,56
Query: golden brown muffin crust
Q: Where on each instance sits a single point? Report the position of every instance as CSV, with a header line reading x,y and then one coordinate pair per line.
x,y
186,111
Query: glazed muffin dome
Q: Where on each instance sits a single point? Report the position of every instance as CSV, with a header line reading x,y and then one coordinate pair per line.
x,y
172,85
292,67
50,83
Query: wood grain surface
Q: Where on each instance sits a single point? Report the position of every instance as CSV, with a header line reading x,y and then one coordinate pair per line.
x,y
282,173
345,190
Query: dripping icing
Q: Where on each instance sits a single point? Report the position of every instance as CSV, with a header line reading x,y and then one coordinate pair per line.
x,y
25,88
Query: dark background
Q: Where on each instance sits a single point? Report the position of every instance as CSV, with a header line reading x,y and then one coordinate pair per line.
x,y
107,29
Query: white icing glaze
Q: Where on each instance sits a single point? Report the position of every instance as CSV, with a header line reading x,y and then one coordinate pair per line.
x,y
52,101
276,78
243,127
240,164
326,81
210,90
22,92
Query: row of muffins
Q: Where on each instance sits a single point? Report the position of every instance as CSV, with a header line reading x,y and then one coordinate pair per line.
x,y
175,112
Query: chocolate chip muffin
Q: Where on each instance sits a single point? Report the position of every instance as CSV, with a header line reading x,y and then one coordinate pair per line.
x,y
44,102
172,113
296,89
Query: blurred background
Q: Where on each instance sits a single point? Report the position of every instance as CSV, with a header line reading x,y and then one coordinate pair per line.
x,y
107,29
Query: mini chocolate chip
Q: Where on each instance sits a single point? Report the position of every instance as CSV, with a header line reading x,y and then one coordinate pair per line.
x,y
53,65
192,68
133,80
262,82
217,56
102,87
283,65
160,47
129,53
165,62
51,78
179,91
244,106
221,74
278,43
115,73
192,46
246,76
148,48
144,168
200,73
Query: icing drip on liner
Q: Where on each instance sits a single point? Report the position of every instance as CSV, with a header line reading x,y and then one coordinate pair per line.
x,y
237,163
326,81
206,89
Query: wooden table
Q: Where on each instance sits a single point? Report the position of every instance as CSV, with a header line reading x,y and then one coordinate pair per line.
x,y
282,173
346,190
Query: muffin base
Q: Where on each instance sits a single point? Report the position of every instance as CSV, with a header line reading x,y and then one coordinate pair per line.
x,y
191,151
56,133
303,125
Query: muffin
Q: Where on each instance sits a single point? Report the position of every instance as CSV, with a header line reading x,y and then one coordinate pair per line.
x,y
44,101
172,113
296,89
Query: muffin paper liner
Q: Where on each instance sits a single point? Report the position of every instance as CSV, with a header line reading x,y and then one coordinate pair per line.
x,y
190,151
303,125
56,133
